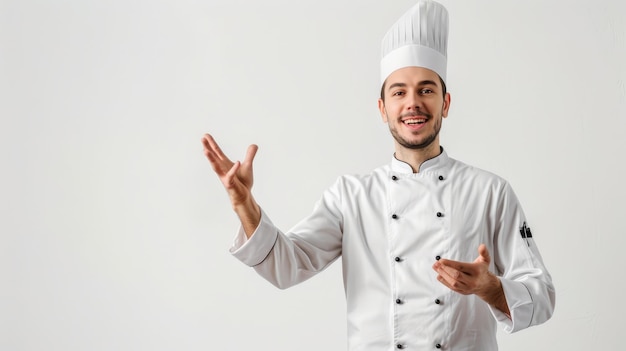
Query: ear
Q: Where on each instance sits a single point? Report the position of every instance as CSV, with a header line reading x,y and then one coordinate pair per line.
x,y
446,105
381,108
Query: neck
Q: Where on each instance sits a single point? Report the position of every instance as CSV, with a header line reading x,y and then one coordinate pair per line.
x,y
415,157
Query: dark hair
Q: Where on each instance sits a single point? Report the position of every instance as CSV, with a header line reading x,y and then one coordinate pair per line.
x,y
443,86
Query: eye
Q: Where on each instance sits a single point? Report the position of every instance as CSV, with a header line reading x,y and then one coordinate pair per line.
x,y
426,91
398,93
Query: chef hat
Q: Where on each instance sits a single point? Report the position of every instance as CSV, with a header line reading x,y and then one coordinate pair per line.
x,y
419,38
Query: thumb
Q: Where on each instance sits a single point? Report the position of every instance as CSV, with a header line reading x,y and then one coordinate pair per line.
x,y
483,254
250,153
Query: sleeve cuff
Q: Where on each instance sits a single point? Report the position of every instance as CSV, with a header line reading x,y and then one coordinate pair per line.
x,y
252,251
520,305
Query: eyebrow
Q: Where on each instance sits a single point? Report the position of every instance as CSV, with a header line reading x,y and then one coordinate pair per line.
x,y
428,82
402,85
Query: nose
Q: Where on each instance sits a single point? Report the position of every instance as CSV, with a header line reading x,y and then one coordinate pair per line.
x,y
414,102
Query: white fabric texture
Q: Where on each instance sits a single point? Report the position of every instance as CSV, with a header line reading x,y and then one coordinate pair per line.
x,y
388,227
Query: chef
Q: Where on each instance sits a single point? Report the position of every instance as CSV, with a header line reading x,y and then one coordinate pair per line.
x,y
435,253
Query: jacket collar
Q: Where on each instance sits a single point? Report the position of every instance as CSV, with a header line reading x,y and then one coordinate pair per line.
x,y
428,165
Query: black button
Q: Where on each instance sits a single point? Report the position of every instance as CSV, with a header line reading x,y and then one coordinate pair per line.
x,y
394,216
394,178
398,301
441,177
437,257
439,214
437,301
397,259
438,346
400,346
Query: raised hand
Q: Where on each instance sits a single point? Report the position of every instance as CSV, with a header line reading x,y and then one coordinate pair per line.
x,y
237,178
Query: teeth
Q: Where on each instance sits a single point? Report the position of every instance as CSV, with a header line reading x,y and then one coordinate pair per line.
x,y
415,121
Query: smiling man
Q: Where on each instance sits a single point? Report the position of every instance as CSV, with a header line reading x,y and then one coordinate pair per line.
x,y
435,253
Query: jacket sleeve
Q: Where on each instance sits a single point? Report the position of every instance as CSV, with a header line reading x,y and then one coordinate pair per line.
x,y
526,282
286,259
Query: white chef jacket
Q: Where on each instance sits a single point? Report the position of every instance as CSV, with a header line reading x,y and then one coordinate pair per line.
x,y
389,227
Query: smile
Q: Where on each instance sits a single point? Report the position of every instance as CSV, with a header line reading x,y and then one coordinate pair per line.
x,y
414,121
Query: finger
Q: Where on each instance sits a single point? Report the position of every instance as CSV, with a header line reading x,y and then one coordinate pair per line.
x,y
452,282
450,273
453,273
212,145
230,178
219,166
454,265
456,287
208,150
210,155
205,142
443,281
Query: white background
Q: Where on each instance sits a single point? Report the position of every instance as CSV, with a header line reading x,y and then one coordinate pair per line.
x,y
115,232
